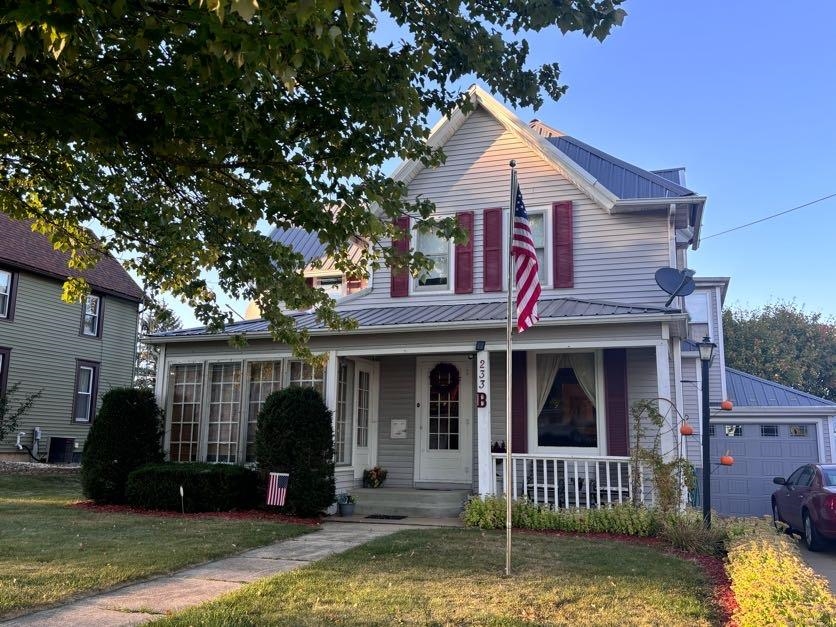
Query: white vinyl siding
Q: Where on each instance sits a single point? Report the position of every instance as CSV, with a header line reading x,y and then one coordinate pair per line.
x,y
616,255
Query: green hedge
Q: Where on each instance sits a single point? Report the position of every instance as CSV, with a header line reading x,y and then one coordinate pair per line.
x,y
206,487
772,584
489,513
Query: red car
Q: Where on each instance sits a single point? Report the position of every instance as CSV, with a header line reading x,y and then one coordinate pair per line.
x,y
806,502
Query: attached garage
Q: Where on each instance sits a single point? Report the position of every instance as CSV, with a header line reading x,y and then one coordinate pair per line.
x,y
772,430
761,451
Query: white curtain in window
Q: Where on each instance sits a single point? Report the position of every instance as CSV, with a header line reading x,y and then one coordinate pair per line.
x,y
584,366
547,367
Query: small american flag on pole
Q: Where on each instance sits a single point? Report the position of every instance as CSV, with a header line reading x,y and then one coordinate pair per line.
x,y
525,267
277,488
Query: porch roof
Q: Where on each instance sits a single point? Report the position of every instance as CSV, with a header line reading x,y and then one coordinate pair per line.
x,y
436,316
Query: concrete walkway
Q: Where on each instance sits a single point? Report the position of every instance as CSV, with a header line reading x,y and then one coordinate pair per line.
x,y
139,603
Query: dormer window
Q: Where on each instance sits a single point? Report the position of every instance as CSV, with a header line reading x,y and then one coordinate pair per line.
x,y
438,251
92,316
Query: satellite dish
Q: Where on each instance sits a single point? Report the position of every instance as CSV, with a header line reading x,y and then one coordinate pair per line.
x,y
675,282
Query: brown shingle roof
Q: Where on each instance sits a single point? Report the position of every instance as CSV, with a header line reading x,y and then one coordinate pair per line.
x,y
24,249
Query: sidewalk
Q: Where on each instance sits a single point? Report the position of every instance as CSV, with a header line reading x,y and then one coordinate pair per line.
x,y
139,603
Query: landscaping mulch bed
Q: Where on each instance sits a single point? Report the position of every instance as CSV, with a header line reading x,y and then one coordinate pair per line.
x,y
249,514
713,567
36,468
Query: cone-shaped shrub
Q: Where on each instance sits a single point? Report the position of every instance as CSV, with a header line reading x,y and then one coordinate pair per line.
x,y
126,434
295,436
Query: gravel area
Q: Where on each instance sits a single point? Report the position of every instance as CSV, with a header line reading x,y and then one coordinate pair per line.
x,y
33,468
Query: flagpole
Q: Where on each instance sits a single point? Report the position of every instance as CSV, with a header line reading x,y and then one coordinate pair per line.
x,y
508,321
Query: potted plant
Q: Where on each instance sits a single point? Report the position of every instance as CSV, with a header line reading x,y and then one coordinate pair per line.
x,y
345,503
374,477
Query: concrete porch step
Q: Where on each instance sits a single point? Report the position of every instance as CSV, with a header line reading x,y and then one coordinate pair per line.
x,y
409,502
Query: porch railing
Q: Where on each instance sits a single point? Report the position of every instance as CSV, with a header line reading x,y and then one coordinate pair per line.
x,y
562,481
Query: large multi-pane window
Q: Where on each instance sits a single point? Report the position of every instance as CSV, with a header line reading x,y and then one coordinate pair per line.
x,y
186,387
265,378
342,449
305,375
566,414
224,412
438,251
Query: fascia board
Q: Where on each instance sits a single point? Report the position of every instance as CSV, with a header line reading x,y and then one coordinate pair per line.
x,y
774,413
450,326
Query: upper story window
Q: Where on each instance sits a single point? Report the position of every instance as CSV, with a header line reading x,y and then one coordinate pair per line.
x,y
91,323
537,223
6,294
438,251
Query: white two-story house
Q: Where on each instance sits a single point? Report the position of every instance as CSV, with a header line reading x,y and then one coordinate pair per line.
x,y
419,388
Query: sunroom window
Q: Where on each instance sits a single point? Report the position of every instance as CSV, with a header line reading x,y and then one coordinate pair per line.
x,y
566,406
437,250
305,375
224,413
265,378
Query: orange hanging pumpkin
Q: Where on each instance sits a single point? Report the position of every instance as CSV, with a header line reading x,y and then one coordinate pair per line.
x,y
726,460
727,405
686,429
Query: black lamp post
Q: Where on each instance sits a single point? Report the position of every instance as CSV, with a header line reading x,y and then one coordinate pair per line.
x,y
706,348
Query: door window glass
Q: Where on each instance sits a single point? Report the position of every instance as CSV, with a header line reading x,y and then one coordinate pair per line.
x,y
444,408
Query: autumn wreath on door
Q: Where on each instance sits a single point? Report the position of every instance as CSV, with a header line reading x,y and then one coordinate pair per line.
x,y
444,381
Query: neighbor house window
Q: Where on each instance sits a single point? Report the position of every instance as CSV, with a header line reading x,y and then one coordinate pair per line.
x,y
566,400
342,451
6,295
91,323
437,250
305,375
265,378
186,387
86,384
224,412
4,368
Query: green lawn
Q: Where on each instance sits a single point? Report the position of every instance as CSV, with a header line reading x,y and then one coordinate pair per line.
x,y
50,552
455,577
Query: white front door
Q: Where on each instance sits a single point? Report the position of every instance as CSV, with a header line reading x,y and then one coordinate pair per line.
x,y
444,419
366,375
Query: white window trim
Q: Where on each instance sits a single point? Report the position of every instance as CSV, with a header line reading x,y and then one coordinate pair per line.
x,y
547,243
600,408
7,294
97,315
414,288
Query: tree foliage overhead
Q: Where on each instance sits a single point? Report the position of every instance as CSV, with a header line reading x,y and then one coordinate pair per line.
x,y
177,125
785,344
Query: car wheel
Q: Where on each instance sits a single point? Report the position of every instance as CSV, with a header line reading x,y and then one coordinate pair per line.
x,y
812,538
780,525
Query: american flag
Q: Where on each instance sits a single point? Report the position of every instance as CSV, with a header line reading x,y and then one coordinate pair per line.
x,y
526,267
277,488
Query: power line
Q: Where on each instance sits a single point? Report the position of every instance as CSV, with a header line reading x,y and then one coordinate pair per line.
x,y
774,215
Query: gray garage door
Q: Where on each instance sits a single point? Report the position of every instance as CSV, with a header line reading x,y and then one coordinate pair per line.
x,y
761,452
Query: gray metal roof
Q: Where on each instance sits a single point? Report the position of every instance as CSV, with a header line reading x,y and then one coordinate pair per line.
x,y
301,241
747,390
674,175
623,179
435,315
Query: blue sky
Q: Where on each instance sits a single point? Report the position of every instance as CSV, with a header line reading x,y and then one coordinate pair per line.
x,y
743,94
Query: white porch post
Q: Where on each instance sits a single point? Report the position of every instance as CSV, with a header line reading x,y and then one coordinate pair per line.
x,y
331,376
663,382
483,422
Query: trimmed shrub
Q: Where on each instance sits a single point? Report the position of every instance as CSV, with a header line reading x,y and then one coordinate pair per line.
x,y
627,519
295,436
686,531
126,434
773,585
206,487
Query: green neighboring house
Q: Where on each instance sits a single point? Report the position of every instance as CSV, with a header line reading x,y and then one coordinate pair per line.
x,y
74,353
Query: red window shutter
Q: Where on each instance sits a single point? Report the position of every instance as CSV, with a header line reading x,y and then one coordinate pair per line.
x,y
563,254
464,255
519,405
615,392
400,278
309,281
492,250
